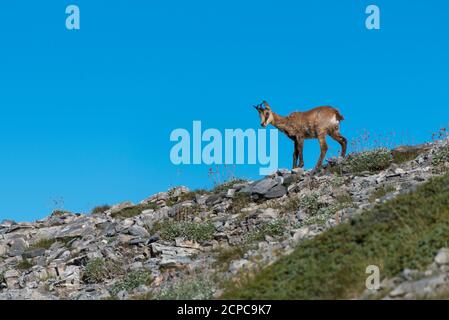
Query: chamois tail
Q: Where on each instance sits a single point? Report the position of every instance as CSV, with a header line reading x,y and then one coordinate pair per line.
x,y
339,115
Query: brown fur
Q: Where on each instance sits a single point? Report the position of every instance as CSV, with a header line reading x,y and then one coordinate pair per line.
x,y
316,123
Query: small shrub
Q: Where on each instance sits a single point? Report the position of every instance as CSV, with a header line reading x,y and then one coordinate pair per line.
x,y
25,264
273,228
133,211
310,203
379,193
97,270
197,288
441,156
195,231
240,201
291,205
100,209
372,161
224,187
224,256
43,244
132,281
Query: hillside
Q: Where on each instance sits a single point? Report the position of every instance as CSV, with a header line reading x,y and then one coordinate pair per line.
x,y
292,235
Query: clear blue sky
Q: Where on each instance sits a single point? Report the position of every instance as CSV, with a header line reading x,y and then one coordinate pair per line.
x,y
86,115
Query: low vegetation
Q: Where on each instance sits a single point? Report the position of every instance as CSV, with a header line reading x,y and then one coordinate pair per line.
x,y
196,231
194,288
25,264
441,156
131,281
273,228
100,209
381,192
224,187
97,270
405,232
43,244
372,161
133,211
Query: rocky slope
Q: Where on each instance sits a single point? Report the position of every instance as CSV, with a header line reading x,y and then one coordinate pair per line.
x,y
192,244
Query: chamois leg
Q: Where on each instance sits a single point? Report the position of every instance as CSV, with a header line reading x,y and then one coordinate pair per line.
x,y
336,135
299,148
295,154
323,147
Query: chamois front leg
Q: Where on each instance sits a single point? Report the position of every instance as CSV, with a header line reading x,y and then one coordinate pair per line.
x,y
323,147
295,154
299,148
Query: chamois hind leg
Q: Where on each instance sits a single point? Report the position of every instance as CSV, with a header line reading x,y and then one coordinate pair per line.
x,y
336,135
323,148
295,154
299,149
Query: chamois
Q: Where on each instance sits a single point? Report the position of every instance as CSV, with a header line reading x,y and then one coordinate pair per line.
x,y
313,124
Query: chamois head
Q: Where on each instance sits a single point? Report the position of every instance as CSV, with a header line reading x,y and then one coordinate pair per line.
x,y
265,114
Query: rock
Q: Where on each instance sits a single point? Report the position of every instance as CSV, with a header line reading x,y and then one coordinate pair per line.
x,y
300,234
119,207
276,192
236,265
262,186
11,278
214,199
230,193
138,231
268,213
3,249
442,257
34,253
18,247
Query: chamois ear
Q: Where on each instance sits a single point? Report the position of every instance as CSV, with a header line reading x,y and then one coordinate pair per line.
x,y
267,106
258,108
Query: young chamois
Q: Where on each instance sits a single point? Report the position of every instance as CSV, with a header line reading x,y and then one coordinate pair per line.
x,y
313,124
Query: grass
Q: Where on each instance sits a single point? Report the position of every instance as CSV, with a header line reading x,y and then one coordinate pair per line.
x,y
441,156
401,157
372,161
274,228
196,231
131,281
24,265
381,192
224,187
195,288
97,270
100,209
240,201
405,232
225,255
133,211
43,244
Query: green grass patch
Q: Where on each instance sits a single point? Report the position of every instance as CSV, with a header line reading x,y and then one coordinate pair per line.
x,y
42,244
405,232
100,209
133,211
372,161
24,265
275,228
131,281
224,187
196,231
441,156
195,288
97,270
381,192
